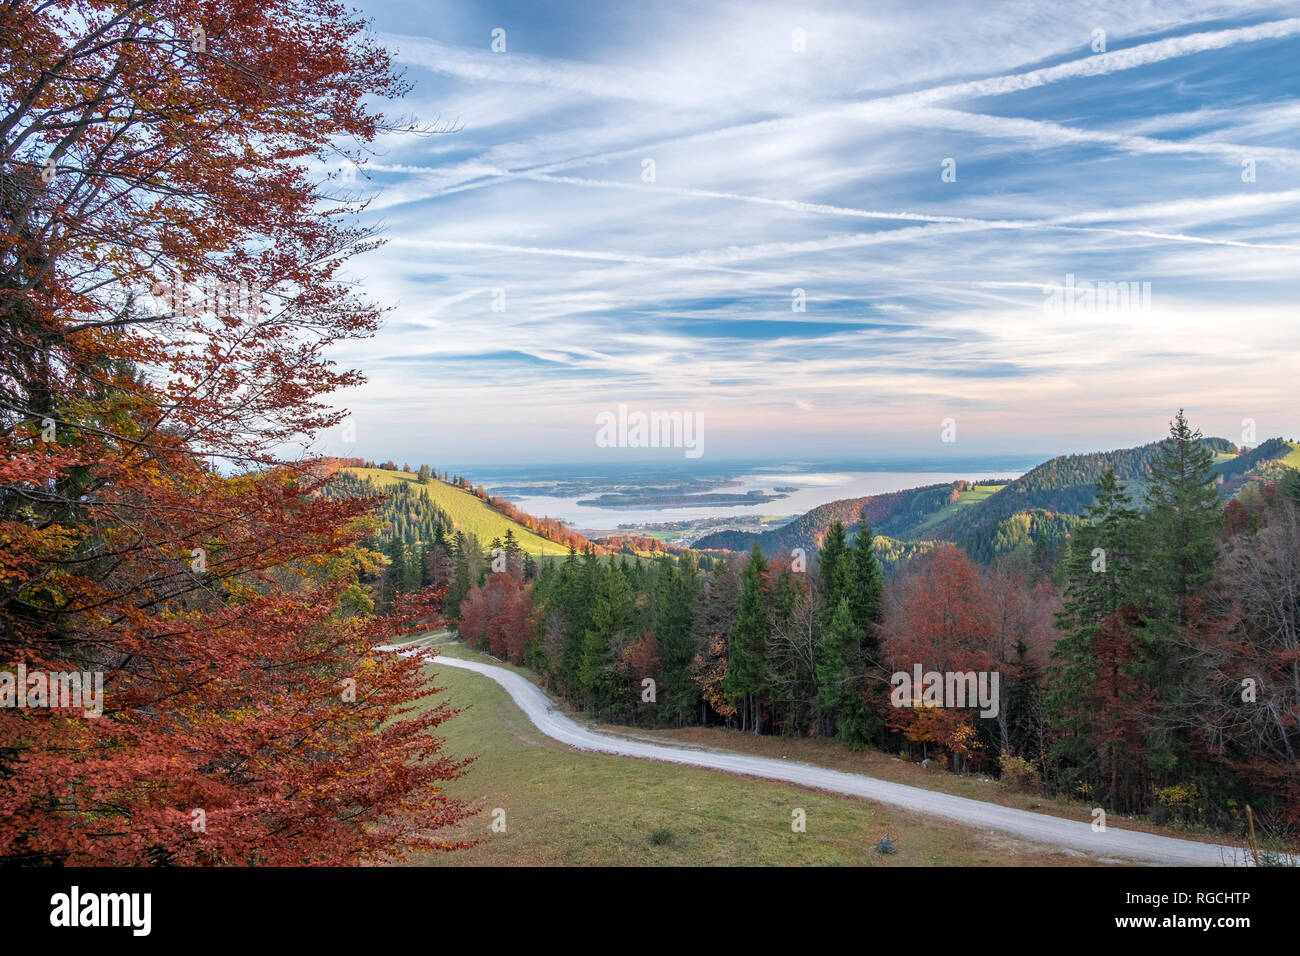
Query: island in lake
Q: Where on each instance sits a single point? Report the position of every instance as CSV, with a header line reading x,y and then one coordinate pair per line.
x,y
634,500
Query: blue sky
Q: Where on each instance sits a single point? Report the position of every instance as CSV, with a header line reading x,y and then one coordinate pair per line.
x,y
776,169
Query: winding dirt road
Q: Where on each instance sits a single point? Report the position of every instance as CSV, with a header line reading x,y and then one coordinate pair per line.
x,y
1039,827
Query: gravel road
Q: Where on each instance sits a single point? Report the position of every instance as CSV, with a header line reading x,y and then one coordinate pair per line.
x,y
1039,827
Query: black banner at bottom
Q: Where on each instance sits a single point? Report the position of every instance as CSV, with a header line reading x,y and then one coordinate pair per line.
x,y
137,907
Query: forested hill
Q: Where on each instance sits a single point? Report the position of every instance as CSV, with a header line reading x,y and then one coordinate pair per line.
x,y
1064,485
1266,462
806,531
1034,511
412,505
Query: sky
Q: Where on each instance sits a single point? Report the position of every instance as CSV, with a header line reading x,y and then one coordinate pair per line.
x,y
831,230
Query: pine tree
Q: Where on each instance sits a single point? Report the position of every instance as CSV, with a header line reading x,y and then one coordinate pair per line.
x,y
461,575
675,592
514,554
867,598
745,672
1102,564
395,577
611,617
839,683
1180,537
1103,578
581,580
834,682
834,567
1183,518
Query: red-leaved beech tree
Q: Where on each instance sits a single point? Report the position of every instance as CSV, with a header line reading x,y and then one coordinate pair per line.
x,y
944,622
498,616
169,259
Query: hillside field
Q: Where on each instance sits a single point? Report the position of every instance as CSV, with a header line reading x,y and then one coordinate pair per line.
x,y
974,495
564,807
469,512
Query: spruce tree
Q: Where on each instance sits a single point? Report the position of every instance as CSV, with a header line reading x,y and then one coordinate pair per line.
x,y
833,566
395,577
461,575
834,681
746,640
839,684
1180,535
868,582
1102,575
1182,520
674,593
611,616
514,554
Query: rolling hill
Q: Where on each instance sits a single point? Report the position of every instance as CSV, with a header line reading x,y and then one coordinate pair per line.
x,y
467,512
1037,509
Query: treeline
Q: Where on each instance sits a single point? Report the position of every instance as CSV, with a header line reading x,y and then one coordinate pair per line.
x,y
549,528
1152,667
807,530
1036,535
634,544
1176,683
1013,526
1064,485
406,511
414,514
450,560
783,647
1264,462
920,505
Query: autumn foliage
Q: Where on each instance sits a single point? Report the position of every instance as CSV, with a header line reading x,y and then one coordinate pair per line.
x,y
498,616
168,289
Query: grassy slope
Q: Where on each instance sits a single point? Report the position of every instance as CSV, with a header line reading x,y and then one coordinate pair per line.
x,y
565,807
471,513
965,499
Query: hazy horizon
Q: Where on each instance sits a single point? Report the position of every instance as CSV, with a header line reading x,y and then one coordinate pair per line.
x,y
732,213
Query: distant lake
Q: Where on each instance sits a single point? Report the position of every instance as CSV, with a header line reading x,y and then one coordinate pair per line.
x,y
815,488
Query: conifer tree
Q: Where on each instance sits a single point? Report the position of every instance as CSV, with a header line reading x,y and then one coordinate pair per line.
x,y
748,635
675,591
395,577
868,585
1183,517
461,575
834,567
1103,578
611,616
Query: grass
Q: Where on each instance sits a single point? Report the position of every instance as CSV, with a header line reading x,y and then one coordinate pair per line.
x,y
974,495
469,512
566,807
873,763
